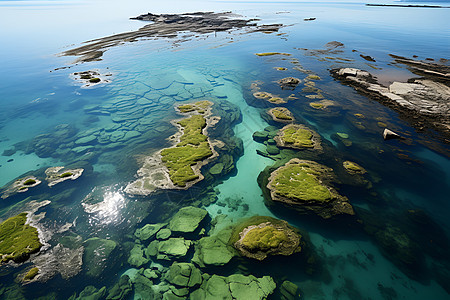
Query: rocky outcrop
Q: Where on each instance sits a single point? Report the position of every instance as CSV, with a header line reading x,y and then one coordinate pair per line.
x,y
264,239
289,83
168,26
298,136
306,186
424,102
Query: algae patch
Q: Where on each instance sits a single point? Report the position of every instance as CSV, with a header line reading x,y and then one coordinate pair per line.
x,y
298,137
17,239
193,146
179,166
306,186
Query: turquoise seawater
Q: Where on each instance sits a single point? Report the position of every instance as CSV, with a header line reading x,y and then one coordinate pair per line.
x,y
45,113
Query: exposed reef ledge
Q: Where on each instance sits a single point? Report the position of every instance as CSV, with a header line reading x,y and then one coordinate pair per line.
x,y
305,186
168,26
178,167
425,103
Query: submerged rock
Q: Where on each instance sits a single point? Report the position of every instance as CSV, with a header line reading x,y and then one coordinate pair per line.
x,y
235,286
148,231
184,275
187,219
97,254
306,186
121,290
173,248
136,257
214,250
90,293
289,83
353,168
63,260
289,291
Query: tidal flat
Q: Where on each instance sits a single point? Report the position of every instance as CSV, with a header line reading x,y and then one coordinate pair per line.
x,y
224,150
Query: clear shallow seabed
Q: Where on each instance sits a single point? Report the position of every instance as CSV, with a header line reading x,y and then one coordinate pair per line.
x,y
35,100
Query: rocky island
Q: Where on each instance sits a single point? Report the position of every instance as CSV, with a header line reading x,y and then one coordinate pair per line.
x,y
306,187
179,166
168,26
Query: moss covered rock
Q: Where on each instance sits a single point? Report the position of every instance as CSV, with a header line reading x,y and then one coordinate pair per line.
x,y
17,239
236,286
187,219
281,114
97,253
267,237
184,275
214,250
353,168
148,231
31,274
307,187
192,146
298,137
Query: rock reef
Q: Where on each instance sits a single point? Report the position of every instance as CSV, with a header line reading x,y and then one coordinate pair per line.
x,y
424,102
179,166
298,136
267,238
306,187
18,240
168,26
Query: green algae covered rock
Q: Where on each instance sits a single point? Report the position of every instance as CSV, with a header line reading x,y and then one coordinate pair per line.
x,y
184,275
289,291
260,136
235,286
259,237
216,169
173,248
148,231
17,239
192,146
163,234
91,293
31,274
136,257
272,150
297,136
353,168
120,290
214,250
187,219
281,114
306,186
97,253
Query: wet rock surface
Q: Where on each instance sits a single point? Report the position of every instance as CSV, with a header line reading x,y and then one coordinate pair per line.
x,y
424,102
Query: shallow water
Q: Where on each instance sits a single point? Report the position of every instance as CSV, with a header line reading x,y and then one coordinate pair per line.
x,y
145,77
